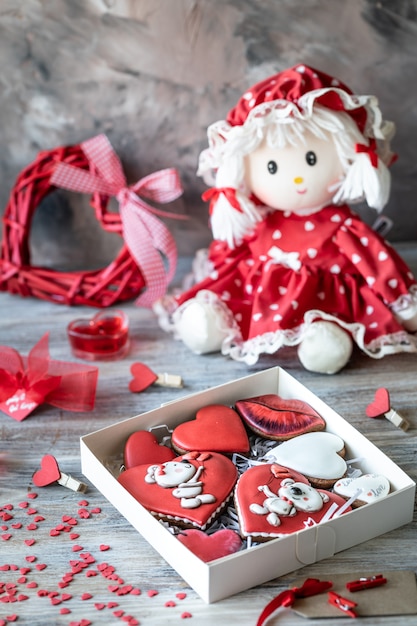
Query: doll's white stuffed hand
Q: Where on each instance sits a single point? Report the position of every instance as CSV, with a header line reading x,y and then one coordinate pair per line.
x,y
408,318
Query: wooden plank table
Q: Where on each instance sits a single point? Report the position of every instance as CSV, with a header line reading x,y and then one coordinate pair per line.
x,y
45,595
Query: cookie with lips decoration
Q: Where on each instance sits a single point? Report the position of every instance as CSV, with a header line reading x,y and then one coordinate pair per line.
x,y
277,418
189,491
216,427
273,501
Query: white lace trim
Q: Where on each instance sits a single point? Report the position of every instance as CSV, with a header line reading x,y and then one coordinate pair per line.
x,y
249,351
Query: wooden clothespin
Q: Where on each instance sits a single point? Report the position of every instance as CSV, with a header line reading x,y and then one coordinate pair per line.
x,y
50,472
381,407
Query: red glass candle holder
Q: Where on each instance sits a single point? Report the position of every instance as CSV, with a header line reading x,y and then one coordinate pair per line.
x,y
103,337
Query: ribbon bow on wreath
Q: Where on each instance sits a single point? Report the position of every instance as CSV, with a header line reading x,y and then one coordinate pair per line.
x,y
144,234
138,269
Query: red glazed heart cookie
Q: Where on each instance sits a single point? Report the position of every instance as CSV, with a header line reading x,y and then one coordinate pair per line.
x,y
319,456
273,504
367,488
143,447
211,547
277,418
190,491
217,428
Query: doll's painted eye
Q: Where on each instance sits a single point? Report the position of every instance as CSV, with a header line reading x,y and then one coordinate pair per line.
x,y
272,167
311,157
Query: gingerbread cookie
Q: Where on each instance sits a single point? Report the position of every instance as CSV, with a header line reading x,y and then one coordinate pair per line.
x,y
277,418
368,488
143,447
217,428
318,456
210,547
273,502
189,491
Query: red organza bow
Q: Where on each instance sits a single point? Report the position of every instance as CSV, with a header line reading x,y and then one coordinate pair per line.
x,y
310,587
28,381
143,233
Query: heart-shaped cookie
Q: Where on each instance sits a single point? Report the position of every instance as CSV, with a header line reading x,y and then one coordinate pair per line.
x,y
190,491
211,547
319,456
143,377
277,418
380,405
273,504
372,487
48,473
217,428
143,447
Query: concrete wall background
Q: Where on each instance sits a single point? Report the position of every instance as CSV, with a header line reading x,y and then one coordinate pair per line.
x,y
153,74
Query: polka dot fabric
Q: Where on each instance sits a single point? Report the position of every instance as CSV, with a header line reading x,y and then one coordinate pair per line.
x,y
295,270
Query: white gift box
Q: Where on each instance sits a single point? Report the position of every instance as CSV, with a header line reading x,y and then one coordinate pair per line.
x,y
102,452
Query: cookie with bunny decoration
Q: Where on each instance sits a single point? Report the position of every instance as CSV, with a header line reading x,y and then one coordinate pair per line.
x,y
291,264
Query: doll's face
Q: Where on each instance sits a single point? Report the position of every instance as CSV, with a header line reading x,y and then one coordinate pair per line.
x,y
298,178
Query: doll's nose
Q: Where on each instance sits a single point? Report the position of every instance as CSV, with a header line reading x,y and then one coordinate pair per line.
x,y
298,180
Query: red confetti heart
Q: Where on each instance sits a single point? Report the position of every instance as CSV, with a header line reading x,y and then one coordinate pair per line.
x,y
54,532
39,518
65,610
22,597
49,472
380,405
118,613
30,559
31,527
74,536
185,615
90,573
66,596
40,566
23,505
31,512
143,377
86,596
32,495
113,588
32,585
135,592
152,592
84,514
6,536
112,605
21,580
17,525
96,510
76,548
170,603
99,606
83,503
181,596
29,542
11,618
103,547
25,570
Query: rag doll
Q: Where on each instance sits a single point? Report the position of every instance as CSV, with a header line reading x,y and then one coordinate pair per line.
x,y
290,263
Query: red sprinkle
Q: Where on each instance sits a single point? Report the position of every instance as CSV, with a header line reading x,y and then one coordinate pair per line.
x,y
181,595
40,566
152,592
86,596
29,542
64,611
185,615
170,603
103,547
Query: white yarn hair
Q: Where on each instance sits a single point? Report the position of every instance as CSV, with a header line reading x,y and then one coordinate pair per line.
x,y
223,163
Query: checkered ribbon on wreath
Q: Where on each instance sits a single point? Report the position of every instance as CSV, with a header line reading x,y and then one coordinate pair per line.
x,y
144,234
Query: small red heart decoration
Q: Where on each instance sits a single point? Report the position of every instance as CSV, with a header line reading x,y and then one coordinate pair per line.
x,y
380,405
143,448
211,547
217,428
49,472
143,377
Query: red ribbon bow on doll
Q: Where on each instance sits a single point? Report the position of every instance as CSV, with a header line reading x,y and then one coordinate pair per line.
x,y
27,382
143,233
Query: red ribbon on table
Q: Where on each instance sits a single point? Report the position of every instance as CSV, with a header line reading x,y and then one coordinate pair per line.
x,y
310,587
145,235
28,381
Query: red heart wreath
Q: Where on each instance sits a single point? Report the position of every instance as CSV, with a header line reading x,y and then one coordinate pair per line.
x,y
92,167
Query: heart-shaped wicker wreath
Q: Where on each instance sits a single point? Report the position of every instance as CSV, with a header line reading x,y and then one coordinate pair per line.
x,y
121,280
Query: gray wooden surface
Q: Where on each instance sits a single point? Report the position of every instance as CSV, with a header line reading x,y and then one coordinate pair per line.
x,y
52,431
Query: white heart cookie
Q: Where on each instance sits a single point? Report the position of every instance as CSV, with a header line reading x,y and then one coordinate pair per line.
x,y
315,455
373,487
